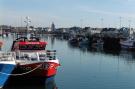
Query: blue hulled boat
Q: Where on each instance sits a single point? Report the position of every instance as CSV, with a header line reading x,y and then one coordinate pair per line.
x,y
7,64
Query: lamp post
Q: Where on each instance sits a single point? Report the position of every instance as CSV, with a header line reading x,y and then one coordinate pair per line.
x,y
102,22
120,21
81,23
129,21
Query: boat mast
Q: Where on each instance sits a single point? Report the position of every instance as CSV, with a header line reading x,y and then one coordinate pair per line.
x,y
120,21
130,31
27,21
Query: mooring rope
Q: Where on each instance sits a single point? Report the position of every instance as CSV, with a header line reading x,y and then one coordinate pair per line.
x,y
21,73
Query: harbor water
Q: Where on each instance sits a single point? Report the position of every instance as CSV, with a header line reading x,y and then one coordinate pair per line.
x,y
83,68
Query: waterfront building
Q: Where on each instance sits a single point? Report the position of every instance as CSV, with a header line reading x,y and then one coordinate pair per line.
x,y
95,30
20,30
46,29
5,29
63,30
0,30
53,27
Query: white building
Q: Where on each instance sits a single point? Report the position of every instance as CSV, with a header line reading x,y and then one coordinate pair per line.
x,y
95,30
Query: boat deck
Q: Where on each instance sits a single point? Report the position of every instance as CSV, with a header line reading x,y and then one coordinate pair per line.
x,y
7,57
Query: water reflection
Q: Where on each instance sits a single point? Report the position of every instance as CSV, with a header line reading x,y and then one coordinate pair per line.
x,y
52,41
34,83
128,56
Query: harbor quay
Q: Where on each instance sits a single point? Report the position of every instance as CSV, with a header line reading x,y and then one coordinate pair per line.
x,y
106,38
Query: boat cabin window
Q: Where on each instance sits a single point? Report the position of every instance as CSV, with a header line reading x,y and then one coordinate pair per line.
x,y
42,57
51,54
34,58
17,55
22,56
27,56
32,47
51,57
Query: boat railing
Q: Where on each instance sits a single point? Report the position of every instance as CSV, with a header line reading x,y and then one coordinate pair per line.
x,y
36,56
51,54
7,56
26,56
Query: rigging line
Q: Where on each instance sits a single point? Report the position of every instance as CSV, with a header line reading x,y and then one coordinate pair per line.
x,y
22,73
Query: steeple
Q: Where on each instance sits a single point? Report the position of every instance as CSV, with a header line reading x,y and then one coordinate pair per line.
x,y
53,27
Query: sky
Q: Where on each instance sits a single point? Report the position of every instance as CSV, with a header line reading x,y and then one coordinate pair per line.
x,y
67,13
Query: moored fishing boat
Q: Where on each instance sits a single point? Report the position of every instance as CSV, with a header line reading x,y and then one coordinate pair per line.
x,y
128,44
7,65
32,59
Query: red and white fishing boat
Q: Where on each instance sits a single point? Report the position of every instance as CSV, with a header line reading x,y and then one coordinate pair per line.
x,y
32,59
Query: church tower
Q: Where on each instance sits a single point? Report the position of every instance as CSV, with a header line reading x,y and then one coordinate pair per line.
x,y
53,27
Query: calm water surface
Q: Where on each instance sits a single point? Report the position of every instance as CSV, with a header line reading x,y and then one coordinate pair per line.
x,y
83,69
